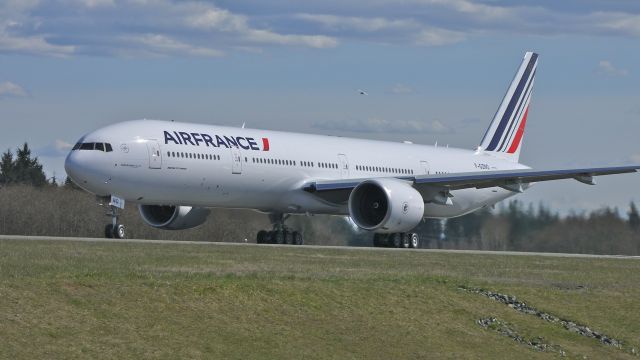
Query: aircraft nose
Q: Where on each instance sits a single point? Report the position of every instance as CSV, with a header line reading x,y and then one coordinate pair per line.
x,y
72,166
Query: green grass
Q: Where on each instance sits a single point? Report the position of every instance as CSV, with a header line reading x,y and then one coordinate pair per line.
x,y
126,300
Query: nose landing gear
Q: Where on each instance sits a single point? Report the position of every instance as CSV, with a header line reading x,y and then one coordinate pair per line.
x,y
115,230
280,233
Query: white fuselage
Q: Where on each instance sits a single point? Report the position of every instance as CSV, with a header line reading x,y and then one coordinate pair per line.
x,y
192,166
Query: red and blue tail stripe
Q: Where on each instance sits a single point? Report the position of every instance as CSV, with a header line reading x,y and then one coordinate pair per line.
x,y
505,133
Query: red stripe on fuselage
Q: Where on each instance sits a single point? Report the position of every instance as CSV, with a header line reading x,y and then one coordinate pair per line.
x,y
265,144
519,133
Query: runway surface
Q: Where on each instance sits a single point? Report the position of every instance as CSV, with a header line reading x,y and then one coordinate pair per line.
x,y
346,248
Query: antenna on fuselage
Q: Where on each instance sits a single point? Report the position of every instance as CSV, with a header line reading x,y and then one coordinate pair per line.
x,y
243,124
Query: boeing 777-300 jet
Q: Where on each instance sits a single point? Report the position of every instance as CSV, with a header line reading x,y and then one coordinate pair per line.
x,y
175,172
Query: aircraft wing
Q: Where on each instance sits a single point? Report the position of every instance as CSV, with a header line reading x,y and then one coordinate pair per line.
x,y
508,179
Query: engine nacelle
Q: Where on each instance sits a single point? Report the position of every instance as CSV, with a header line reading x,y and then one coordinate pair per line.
x,y
386,206
169,217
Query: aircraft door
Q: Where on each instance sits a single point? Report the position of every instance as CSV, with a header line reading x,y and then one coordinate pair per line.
x,y
424,166
236,161
155,156
344,166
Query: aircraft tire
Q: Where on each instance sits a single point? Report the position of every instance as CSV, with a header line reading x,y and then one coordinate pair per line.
x,y
297,238
396,240
406,240
288,238
119,232
414,240
376,240
278,237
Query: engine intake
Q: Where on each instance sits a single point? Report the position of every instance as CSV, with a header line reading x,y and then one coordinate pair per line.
x,y
386,206
170,217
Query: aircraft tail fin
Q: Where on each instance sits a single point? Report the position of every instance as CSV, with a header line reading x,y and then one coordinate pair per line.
x,y
504,136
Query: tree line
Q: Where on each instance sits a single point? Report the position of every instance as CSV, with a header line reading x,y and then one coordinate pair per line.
x,y
31,204
520,227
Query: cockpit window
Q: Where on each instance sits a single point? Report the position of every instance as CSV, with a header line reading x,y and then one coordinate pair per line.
x,y
93,146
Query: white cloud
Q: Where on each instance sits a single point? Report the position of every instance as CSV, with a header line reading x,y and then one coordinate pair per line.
x,y
17,29
62,145
96,3
58,148
401,89
156,44
373,24
406,28
217,19
137,28
223,20
607,68
376,125
9,89
480,11
202,28
29,44
624,23
268,37
437,37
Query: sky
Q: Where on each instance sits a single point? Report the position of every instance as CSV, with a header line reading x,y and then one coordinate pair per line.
x,y
434,71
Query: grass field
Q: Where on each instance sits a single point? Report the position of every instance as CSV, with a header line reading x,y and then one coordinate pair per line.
x,y
132,300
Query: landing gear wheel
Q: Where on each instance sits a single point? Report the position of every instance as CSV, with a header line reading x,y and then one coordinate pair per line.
x,y
108,231
280,234
261,237
397,240
118,232
377,240
288,237
414,240
406,240
278,237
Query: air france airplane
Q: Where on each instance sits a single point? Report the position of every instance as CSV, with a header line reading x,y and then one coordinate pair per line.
x,y
175,172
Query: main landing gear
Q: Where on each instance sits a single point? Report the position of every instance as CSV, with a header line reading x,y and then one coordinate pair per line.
x,y
115,230
280,233
397,240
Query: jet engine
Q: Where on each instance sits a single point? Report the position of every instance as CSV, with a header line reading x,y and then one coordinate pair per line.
x,y
169,217
386,205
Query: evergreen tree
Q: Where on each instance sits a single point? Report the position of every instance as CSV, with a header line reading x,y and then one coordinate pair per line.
x,y
6,167
23,169
634,217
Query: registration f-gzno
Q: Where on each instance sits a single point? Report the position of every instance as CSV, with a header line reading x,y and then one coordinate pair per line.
x,y
175,172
